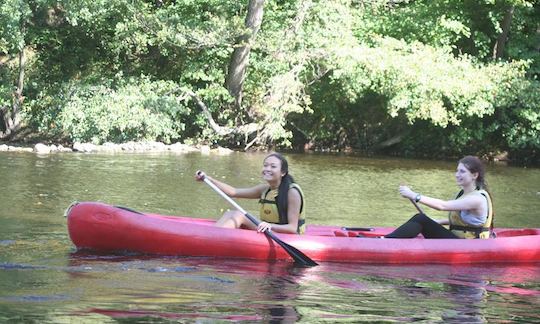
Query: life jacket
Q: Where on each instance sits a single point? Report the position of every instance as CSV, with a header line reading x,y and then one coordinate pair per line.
x,y
465,230
270,212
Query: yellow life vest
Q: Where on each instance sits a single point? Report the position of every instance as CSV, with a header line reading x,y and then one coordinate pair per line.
x,y
465,230
269,211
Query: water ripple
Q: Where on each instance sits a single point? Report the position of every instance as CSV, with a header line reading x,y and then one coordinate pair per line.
x,y
37,298
15,266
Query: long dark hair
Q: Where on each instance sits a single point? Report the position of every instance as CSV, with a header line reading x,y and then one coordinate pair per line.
x,y
283,190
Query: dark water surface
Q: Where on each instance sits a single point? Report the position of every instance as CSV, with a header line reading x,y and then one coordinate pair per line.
x,y
44,280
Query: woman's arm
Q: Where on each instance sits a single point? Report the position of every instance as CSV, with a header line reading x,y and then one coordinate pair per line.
x,y
471,202
253,192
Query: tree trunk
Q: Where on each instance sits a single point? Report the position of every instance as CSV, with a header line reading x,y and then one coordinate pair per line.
x,y
500,45
538,37
11,115
240,57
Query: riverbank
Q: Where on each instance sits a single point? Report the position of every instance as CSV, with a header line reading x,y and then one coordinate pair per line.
x,y
129,147
38,147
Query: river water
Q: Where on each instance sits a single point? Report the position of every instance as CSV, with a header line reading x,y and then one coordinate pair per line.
x,y
43,279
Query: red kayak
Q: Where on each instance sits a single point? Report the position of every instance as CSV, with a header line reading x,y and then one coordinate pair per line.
x,y
105,228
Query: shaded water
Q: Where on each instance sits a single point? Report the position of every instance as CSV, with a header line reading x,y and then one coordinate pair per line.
x,y
43,279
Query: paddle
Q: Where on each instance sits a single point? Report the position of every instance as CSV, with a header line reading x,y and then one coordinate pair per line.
x,y
417,207
299,257
358,229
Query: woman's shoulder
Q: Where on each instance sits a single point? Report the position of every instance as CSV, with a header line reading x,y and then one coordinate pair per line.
x,y
479,196
481,193
296,186
297,191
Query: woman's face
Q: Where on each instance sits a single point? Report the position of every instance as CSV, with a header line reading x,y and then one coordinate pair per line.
x,y
464,177
271,171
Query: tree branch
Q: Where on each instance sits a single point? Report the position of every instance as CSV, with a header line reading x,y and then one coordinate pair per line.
x,y
244,129
218,129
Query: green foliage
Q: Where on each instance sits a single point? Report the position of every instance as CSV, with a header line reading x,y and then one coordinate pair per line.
x,y
459,104
437,23
470,27
523,42
6,87
13,15
295,43
419,81
374,76
138,109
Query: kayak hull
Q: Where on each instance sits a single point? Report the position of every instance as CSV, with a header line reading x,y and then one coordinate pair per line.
x,y
105,228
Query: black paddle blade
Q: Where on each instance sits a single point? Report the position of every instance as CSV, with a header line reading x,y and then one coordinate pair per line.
x,y
299,258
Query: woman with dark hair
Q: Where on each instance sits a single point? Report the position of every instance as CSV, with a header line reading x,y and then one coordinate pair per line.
x,y
471,213
281,199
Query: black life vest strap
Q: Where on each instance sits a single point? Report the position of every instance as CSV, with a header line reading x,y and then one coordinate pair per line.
x,y
475,230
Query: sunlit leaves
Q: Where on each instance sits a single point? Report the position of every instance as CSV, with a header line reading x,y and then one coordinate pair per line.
x,y
420,81
137,110
14,15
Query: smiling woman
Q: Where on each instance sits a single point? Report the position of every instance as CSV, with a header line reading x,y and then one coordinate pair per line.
x,y
471,213
281,199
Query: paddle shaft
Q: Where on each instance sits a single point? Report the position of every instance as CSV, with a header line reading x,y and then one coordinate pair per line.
x,y
297,255
224,195
232,202
417,207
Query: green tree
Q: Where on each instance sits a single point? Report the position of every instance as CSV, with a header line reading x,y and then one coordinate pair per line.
x,y
14,20
425,85
376,76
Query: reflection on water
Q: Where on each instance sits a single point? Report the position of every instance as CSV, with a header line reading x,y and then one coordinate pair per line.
x,y
113,287
42,278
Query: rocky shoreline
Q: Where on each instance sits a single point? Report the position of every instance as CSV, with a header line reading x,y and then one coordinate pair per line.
x,y
129,147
